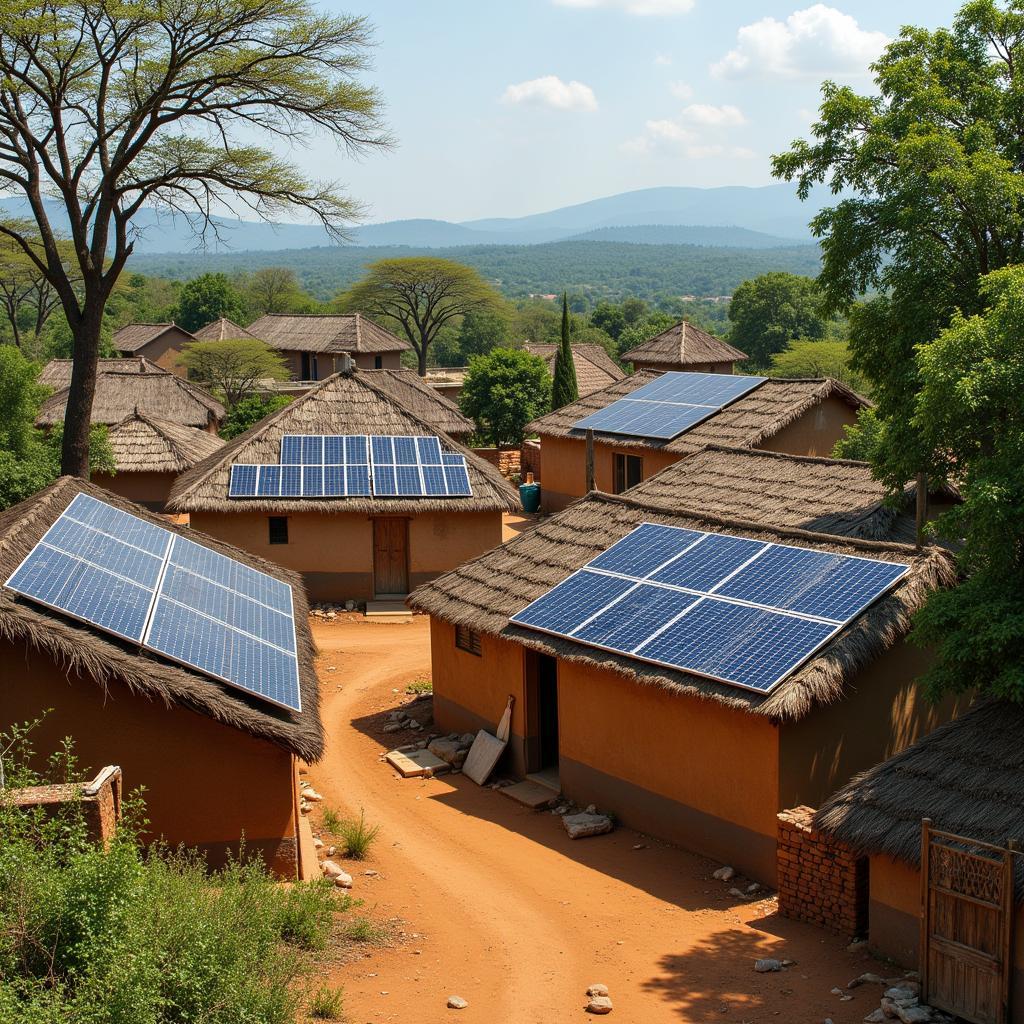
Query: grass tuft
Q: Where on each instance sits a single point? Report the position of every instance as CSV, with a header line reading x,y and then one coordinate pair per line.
x,y
327,1003
420,686
358,836
332,821
362,929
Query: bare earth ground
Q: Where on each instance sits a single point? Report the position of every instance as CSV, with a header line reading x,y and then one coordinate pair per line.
x,y
494,903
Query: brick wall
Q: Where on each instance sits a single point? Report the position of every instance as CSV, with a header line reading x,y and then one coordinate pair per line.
x,y
529,459
820,880
100,801
506,460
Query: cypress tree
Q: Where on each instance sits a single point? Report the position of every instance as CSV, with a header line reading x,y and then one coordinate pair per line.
x,y
564,389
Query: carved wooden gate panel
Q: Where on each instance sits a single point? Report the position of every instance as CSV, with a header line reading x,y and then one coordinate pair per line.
x,y
966,926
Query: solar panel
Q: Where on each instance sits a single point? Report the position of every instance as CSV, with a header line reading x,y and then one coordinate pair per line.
x,y
411,467
734,609
169,595
670,405
243,481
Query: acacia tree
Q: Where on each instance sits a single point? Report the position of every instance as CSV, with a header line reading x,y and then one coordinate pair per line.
x,y
106,108
420,294
233,366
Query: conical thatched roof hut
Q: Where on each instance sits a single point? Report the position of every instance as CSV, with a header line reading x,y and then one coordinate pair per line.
x,y
685,347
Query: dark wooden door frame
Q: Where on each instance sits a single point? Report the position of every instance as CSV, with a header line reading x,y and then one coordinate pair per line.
x,y
404,520
535,754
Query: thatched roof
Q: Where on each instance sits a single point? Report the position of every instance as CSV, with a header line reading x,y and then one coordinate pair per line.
x,y
223,330
57,372
111,662
132,337
746,423
967,776
164,396
595,369
345,403
816,494
683,345
484,593
415,395
142,444
325,332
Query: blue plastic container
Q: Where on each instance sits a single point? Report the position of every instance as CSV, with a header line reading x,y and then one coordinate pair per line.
x,y
529,495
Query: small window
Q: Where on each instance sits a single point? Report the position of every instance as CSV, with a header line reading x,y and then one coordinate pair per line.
x,y
278,529
467,640
378,362
628,472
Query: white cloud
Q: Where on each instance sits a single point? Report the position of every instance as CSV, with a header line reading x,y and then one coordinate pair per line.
x,y
662,60
672,138
551,91
640,7
681,90
818,40
726,116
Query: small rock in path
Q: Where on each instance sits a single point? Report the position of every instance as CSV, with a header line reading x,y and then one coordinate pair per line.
x,y
599,1005
579,826
724,874
330,869
457,1003
875,1017
597,990
767,965
343,881
866,979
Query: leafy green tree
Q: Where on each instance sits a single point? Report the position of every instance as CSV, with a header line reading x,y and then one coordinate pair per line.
x,y
535,320
860,440
481,332
644,328
206,298
106,108
234,366
609,318
503,391
564,388
274,290
421,294
21,394
248,411
772,310
813,358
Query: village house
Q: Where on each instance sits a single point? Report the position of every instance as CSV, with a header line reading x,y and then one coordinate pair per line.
x,y
159,343
313,344
161,396
595,369
149,454
359,547
218,763
56,373
797,417
689,758
223,329
684,347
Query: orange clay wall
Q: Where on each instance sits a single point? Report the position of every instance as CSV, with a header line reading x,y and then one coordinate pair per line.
x,y
166,350
206,783
564,468
814,433
149,489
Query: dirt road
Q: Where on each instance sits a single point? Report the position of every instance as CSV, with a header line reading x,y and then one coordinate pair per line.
x,y
501,908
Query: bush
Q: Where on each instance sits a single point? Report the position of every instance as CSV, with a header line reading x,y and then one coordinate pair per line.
x,y
248,412
362,929
420,686
326,1003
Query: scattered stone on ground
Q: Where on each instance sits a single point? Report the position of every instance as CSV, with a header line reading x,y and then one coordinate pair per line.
x,y
866,979
579,826
318,843
457,1003
724,874
450,750
343,880
599,1005
309,793
767,965
597,990
330,869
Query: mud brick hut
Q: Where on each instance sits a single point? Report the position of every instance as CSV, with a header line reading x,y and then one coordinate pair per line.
x,y
163,396
159,343
684,347
217,762
360,547
56,373
967,779
797,417
313,344
595,369
150,454
683,756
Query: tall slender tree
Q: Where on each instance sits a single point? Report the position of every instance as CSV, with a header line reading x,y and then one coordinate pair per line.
x,y
565,388
106,108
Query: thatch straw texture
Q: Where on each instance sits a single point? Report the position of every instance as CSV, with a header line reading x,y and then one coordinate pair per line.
x,y
132,337
56,373
820,495
483,593
325,332
163,396
595,369
412,393
967,776
141,444
353,403
684,345
223,330
111,662
748,422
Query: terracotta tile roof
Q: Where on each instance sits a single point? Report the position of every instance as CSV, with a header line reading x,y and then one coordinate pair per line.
x,y
321,332
683,345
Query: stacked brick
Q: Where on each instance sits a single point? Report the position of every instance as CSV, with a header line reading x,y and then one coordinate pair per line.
x,y
529,459
505,460
99,801
820,880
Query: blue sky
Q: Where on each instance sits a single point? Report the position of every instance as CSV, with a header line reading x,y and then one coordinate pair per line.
x,y
509,108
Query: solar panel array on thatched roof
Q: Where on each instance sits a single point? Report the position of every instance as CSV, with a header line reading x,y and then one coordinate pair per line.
x,y
595,369
967,776
355,403
820,495
683,345
57,372
325,332
132,337
164,396
415,395
111,662
143,444
223,330
747,422
484,593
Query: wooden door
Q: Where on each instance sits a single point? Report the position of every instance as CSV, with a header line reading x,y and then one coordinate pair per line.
x,y
390,556
967,890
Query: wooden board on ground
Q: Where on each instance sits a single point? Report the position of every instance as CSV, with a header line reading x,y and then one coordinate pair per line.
x,y
415,764
483,756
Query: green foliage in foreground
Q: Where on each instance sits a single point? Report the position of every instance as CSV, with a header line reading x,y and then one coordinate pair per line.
x,y
503,391
248,412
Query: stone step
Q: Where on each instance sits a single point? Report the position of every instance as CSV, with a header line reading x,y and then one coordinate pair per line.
x,y
387,611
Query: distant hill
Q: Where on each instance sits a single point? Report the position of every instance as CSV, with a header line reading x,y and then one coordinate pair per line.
x,y
665,234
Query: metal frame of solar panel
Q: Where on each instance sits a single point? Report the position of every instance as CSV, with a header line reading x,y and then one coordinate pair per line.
x,y
744,612
168,594
670,405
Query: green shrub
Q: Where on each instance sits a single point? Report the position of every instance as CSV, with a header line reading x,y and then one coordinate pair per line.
x,y
420,686
332,821
326,1003
358,836
362,929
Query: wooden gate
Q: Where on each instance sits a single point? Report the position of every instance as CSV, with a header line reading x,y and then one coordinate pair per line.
x,y
967,890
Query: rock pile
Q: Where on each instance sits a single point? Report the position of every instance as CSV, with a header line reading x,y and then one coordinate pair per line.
x,y
329,612
901,1001
453,749
598,1000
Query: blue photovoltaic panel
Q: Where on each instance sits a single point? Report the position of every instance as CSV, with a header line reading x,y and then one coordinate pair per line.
x,y
122,525
429,450
356,450
268,484
407,481
405,451
312,451
452,459
334,450
312,481
357,481
383,449
105,552
434,481
741,611
243,481
334,482
384,481
669,405
291,448
457,479
291,481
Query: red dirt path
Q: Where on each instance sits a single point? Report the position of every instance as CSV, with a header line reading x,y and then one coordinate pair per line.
x,y
501,908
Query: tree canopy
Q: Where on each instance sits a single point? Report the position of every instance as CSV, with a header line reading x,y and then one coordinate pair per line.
x,y
816,358
564,388
771,310
503,391
206,298
234,366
